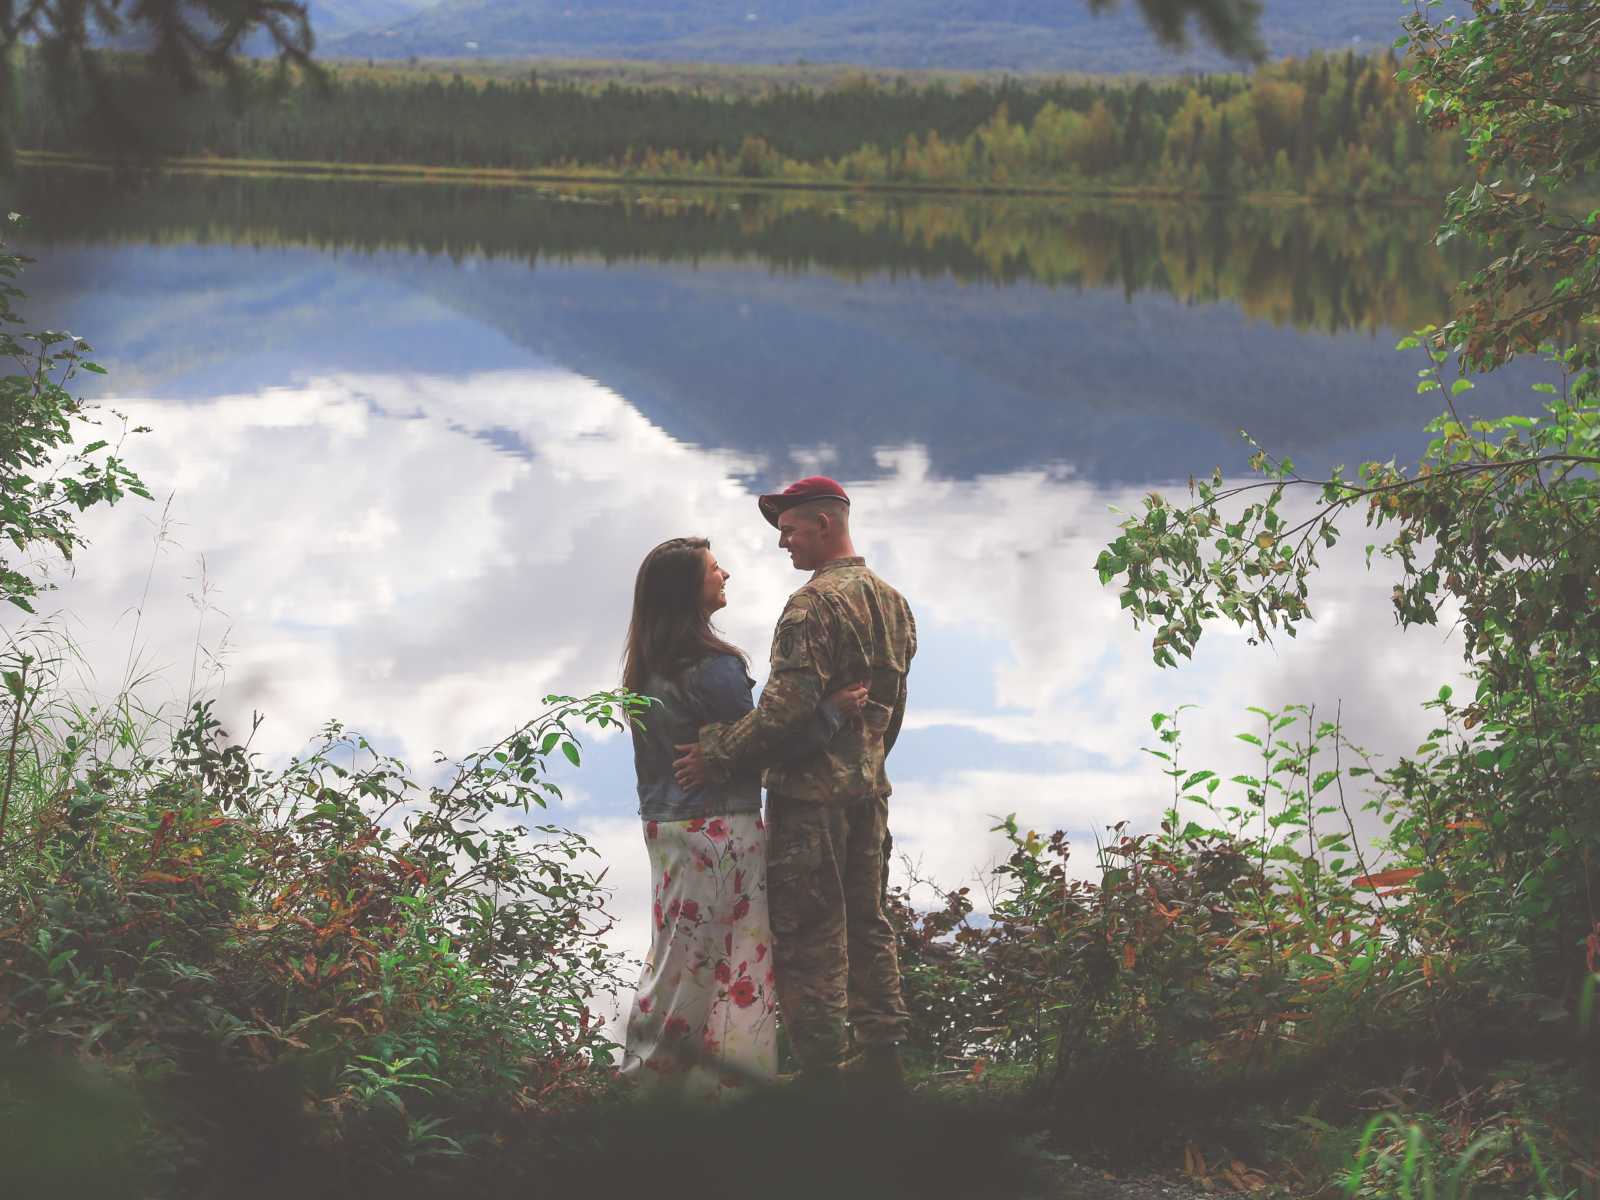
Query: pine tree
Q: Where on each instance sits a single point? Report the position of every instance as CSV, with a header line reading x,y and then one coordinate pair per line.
x,y
1134,133
1223,157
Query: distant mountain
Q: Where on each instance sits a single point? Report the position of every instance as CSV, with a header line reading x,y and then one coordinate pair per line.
x,y
334,18
1017,35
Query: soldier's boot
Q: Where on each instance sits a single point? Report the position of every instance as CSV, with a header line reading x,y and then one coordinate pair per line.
x,y
881,1076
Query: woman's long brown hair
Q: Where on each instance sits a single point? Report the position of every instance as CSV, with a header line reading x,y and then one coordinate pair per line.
x,y
668,631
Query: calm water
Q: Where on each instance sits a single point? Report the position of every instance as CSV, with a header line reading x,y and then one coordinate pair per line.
x,y
417,439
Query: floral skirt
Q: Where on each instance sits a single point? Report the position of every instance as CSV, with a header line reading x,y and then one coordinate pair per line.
x,y
704,1022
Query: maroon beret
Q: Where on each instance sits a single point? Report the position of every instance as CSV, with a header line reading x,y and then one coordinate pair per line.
x,y
813,487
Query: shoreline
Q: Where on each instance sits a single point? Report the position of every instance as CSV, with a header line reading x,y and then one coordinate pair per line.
x,y
612,179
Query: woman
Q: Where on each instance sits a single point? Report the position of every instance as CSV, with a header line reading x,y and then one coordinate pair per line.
x,y
703,1023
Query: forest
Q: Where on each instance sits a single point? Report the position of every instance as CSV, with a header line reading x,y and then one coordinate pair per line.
x,y
1326,126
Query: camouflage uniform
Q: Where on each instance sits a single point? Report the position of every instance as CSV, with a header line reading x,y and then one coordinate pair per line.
x,y
827,811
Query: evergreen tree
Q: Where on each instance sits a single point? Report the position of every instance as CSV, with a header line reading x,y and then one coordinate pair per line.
x,y
1223,157
1134,132
1343,126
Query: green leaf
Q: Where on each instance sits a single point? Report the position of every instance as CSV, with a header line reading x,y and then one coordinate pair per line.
x,y
570,749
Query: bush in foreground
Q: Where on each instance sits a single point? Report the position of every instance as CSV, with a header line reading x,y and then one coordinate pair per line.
x,y
259,965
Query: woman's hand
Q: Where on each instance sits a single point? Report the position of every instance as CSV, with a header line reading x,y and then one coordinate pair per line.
x,y
849,700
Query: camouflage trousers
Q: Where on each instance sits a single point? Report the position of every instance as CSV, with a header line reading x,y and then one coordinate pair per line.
x,y
833,948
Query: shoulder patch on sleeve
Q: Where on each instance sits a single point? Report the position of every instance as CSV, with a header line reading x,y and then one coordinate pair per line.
x,y
783,643
791,641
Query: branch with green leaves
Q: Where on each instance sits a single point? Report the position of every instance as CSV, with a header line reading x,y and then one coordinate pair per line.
x,y
46,479
1499,516
1517,79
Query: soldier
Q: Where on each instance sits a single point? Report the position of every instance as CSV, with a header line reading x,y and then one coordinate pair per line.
x,y
827,810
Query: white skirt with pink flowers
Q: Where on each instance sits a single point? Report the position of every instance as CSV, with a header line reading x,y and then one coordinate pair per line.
x,y
704,1022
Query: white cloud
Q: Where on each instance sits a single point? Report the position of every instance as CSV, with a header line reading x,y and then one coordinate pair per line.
x,y
925,818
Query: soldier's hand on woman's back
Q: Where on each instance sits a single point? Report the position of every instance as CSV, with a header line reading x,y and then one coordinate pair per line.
x,y
850,699
690,769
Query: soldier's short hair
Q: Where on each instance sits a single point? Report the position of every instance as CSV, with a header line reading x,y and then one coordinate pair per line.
x,y
836,510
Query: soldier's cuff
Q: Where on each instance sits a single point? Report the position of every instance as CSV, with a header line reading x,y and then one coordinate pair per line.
x,y
716,753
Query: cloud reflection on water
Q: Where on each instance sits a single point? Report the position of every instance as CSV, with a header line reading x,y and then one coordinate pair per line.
x,y
427,556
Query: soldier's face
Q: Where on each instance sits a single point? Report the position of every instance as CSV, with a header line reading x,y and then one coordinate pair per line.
x,y
801,536
713,588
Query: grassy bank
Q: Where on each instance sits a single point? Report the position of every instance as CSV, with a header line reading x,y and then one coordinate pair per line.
x,y
614,178
619,178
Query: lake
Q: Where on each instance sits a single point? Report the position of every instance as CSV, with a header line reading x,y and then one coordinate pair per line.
x,y
411,442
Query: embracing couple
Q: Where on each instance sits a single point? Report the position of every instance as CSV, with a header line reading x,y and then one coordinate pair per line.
x,y
755,918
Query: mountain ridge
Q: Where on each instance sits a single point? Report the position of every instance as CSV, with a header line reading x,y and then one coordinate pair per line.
x,y
1016,35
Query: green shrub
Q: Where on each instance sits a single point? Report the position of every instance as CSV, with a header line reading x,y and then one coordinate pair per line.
x,y
333,955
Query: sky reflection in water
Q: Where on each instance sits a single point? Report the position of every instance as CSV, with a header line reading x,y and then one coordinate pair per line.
x,y
421,489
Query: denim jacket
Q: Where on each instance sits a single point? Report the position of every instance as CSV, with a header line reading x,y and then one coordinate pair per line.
x,y
715,689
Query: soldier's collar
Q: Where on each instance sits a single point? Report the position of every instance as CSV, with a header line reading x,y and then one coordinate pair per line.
x,y
857,561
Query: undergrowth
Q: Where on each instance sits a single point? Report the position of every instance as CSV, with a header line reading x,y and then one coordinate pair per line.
x,y
338,954
1254,981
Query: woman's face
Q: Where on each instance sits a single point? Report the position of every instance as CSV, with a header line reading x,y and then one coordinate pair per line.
x,y
713,588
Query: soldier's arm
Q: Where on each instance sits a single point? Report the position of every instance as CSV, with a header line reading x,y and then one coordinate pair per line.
x,y
788,705
721,693
898,715
895,717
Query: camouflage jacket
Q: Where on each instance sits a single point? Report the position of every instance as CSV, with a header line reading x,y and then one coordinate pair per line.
x,y
844,626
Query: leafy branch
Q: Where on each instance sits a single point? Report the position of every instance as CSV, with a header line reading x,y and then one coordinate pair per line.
x,y
1467,500
45,480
